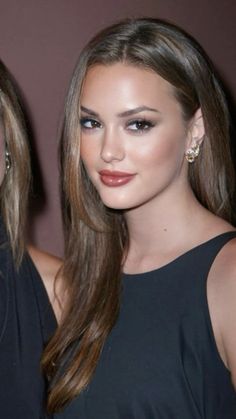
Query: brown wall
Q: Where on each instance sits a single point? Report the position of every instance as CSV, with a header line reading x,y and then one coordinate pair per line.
x,y
40,41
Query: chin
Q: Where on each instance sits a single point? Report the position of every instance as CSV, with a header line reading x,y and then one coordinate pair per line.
x,y
118,205
115,204
113,200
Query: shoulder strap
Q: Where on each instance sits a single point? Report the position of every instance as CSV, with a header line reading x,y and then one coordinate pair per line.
x,y
213,247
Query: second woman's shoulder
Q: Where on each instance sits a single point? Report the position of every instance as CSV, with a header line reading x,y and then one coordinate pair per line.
x,y
49,267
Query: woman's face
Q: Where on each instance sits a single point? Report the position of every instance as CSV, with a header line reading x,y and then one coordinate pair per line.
x,y
133,136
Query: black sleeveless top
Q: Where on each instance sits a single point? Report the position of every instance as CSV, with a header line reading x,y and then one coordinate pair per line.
x,y
161,360
26,323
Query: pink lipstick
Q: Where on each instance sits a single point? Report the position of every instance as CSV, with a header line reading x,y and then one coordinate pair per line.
x,y
115,178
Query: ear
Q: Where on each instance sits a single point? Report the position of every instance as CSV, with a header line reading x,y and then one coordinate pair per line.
x,y
196,129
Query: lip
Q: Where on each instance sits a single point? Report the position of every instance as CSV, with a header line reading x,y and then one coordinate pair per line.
x,y
115,178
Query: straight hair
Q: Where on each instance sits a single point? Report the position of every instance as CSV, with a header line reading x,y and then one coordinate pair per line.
x,y
96,237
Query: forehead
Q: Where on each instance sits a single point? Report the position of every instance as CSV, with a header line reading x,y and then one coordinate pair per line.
x,y
123,82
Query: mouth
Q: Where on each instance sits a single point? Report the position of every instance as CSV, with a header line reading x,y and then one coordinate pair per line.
x,y
115,178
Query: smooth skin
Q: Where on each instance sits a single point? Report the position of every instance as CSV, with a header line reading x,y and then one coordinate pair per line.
x,y
131,122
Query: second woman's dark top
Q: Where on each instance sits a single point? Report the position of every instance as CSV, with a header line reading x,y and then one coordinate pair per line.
x,y
160,360
26,322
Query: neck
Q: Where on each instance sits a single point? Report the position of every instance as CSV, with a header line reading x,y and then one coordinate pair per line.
x,y
163,228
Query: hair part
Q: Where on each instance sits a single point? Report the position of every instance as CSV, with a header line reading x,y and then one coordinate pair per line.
x,y
96,238
15,186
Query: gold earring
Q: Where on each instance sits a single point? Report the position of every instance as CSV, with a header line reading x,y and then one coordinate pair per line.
x,y
7,161
192,153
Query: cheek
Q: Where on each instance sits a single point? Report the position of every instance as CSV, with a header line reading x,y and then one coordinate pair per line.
x,y
88,154
165,151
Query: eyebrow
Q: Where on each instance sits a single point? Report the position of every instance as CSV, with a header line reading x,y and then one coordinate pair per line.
x,y
137,110
89,111
122,114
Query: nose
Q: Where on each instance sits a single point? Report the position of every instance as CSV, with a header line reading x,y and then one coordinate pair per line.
x,y
112,147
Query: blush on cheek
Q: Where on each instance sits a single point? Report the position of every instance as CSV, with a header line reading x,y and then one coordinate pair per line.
x,y
173,146
163,152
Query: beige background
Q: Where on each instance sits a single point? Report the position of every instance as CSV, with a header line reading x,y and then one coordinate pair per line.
x,y
40,41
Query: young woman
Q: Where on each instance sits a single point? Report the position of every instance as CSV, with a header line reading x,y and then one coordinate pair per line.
x,y
26,317
149,325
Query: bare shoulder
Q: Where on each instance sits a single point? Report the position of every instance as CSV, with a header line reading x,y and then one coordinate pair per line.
x,y
48,267
223,271
221,290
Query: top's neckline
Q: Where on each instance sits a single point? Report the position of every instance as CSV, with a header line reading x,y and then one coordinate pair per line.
x,y
180,257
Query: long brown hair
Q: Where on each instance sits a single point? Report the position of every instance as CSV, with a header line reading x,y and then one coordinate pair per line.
x,y
95,236
15,186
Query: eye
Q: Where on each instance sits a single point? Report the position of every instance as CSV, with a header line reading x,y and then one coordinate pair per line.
x,y
140,125
89,123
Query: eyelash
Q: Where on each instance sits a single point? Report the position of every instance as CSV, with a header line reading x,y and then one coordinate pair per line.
x,y
141,124
95,124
